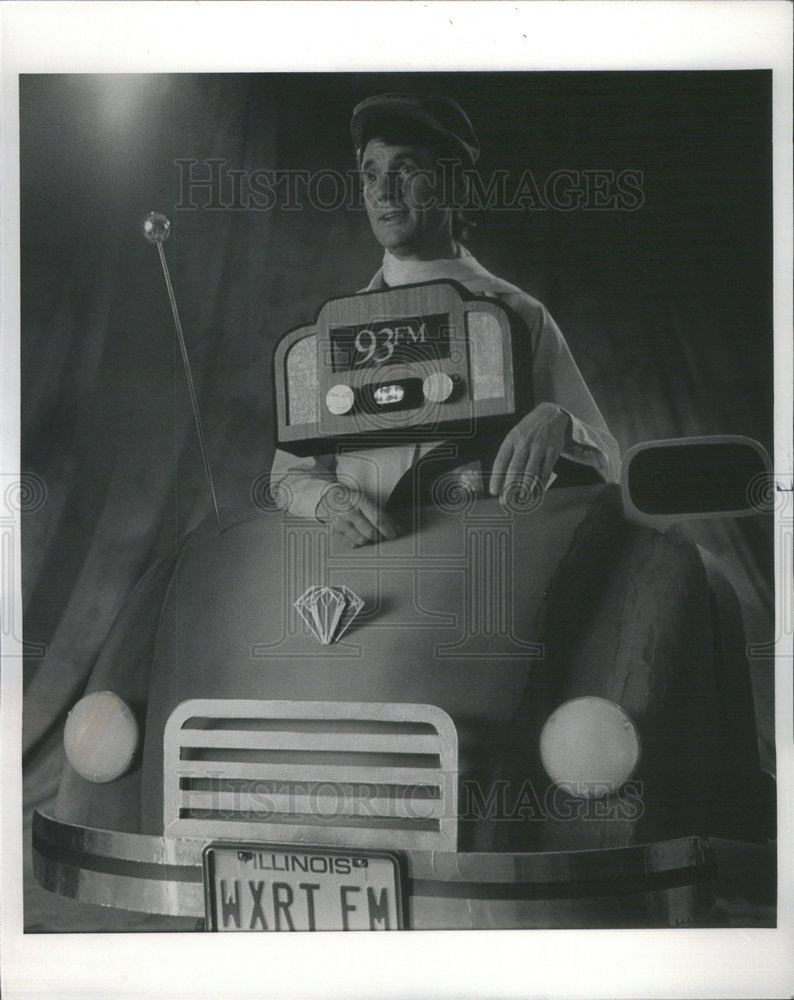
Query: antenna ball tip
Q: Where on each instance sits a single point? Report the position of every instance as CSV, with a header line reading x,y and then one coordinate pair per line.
x,y
156,227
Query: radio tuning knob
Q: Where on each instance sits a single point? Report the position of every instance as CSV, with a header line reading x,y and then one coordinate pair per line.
x,y
339,399
437,387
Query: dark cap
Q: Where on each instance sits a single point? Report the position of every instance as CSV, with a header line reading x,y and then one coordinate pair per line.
x,y
439,115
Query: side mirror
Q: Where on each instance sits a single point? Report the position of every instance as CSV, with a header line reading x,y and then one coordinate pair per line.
x,y
676,478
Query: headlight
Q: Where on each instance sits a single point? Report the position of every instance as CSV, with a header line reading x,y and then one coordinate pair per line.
x,y
589,747
100,737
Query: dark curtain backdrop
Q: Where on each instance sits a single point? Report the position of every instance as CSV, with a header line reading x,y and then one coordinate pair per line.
x,y
667,308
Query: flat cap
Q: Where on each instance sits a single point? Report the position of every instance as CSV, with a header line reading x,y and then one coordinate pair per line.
x,y
437,114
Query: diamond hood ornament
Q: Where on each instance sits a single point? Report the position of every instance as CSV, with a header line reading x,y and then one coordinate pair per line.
x,y
328,611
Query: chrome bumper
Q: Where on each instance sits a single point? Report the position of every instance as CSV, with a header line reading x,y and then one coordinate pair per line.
x,y
667,883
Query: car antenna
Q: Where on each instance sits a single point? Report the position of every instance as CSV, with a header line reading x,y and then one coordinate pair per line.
x,y
157,229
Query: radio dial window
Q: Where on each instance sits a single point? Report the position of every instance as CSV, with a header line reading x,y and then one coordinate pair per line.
x,y
389,342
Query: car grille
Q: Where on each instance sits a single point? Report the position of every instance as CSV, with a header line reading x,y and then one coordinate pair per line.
x,y
356,774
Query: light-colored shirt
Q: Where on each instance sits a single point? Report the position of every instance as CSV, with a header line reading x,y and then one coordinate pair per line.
x,y
299,483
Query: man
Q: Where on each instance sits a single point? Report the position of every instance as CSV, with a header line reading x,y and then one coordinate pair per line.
x,y
403,143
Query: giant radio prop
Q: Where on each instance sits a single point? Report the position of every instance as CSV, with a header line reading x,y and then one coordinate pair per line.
x,y
410,363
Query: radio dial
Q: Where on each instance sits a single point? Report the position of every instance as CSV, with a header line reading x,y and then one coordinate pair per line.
x,y
339,399
438,387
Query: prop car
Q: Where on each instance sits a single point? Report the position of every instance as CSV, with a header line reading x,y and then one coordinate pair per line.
x,y
531,714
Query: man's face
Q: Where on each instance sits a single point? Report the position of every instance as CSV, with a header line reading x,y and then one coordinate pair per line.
x,y
402,201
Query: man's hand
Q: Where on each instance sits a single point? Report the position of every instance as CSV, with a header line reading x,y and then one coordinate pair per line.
x,y
355,518
530,451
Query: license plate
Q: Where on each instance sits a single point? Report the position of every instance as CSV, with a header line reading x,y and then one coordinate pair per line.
x,y
255,887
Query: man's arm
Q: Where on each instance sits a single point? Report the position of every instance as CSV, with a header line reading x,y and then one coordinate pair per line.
x,y
299,484
557,379
308,487
565,419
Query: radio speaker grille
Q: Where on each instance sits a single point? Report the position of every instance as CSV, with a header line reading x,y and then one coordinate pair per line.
x,y
302,388
487,355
